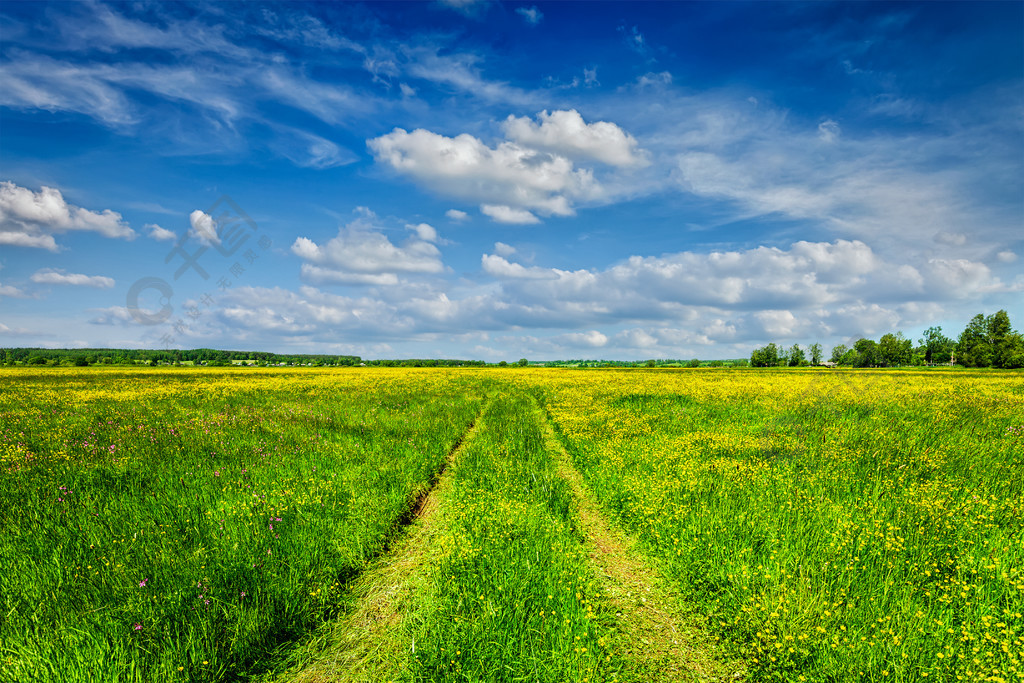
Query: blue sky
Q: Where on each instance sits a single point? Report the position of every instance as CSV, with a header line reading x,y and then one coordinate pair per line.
x,y
498,180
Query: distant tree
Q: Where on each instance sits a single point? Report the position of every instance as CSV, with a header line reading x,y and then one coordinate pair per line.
x,y
893,350
523,362
765,357
1010,353
796,356
81,362
867,353
972,348
503,364
838,352
716,363
694,363
938,348
651,363
815,350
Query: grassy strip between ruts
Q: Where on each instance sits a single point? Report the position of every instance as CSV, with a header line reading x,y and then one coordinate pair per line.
x,y
659,640
497,581
497,584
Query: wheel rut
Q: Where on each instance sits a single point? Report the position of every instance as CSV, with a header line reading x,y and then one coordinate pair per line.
x,y
355,648
657,639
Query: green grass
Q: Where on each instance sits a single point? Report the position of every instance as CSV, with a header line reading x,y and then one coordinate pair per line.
x,y
197,524
181,526
510,595
830,527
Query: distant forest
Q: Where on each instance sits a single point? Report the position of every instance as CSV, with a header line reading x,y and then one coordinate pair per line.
x,y
987,341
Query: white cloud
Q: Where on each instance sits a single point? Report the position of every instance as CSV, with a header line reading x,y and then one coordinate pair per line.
x,y
953,239
160,234
1006,256
828,131
460,72
502,249
532,172
567,134
15,331
469,8
204,228
55,276
893,191
424,231
531,15
654,79
456,215
361,254
506,214
309,151
30,219
507,175
592,339
11,292
502,268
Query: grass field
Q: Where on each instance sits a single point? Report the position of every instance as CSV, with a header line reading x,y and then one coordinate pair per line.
x,y
235,524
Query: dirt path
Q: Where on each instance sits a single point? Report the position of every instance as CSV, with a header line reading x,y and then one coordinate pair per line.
x,y
658,638
358,647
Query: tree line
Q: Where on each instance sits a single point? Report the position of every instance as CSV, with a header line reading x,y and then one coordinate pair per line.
x,y
83,357
987,341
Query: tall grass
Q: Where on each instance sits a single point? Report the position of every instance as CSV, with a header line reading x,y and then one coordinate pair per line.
x,y
832,527
163,525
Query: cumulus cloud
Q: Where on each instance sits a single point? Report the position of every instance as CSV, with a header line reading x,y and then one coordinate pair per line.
x,y
362,254
532,172
11,292
456,215
765,285
204,228
502,268
567,134
502,249
675,305
30,219
160,234
1006,256
506,214
55,276
506,175
592,339
424,231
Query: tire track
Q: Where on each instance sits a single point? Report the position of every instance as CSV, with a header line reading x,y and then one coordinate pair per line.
x,y
355,648
658,639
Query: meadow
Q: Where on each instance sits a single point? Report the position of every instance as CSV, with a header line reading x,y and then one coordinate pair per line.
x,y
214,524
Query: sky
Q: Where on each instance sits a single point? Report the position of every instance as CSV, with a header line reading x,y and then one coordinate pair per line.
x,y
497,180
